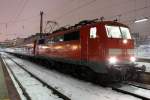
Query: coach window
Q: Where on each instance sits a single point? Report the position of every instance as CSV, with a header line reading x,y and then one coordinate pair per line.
x,y
72,36
59,38
93,32
51,40
41,41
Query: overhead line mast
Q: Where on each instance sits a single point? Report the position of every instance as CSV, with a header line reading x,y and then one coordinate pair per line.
x,y
41,22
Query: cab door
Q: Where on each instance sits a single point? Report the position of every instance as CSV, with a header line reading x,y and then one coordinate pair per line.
x,y
84,43
93,44
89,44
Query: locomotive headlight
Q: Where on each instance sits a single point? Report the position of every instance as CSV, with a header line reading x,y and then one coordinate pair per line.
x,y
132,59
125,41
112,60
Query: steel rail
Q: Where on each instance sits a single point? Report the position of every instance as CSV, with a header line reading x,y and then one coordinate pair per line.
x,y
44,83
119,89
20,85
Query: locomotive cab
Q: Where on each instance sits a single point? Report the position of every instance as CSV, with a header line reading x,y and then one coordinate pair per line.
x,y
107,42
120,46
120,57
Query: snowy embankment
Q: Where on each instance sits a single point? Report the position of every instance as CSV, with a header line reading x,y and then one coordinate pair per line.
x,y
73,88
146,64
34,88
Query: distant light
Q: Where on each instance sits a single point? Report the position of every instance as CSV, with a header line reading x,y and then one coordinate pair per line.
x,y
141,20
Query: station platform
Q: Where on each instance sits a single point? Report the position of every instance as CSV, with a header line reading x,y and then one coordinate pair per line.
x,y
7,88
3,88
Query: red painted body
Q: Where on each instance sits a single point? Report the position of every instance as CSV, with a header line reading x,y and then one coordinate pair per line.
x,y
92,51
87,49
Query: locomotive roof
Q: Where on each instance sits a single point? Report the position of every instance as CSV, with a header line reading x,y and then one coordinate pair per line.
x,y
78,26
114,23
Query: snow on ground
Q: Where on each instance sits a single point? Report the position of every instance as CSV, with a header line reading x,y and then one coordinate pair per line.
x,y
146,64
33,87
73,88
20,92
136,90
145,56
142,57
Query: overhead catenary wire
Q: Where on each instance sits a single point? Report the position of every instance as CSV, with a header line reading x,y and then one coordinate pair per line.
x,y
15,20
17,15
131,11
77,8
21,10
30,18
83,5
72,11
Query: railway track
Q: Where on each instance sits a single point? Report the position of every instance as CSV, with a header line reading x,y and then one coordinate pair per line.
x,y
132,88
140,85
26,91
143,60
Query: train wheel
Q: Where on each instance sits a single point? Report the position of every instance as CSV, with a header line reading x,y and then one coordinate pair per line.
x,y
102,79
86,74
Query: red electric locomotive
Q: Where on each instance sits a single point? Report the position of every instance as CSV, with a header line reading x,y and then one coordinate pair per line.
x,y
104,48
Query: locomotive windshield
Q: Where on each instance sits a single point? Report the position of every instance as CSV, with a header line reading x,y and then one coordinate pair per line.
x,y
117,32
125,33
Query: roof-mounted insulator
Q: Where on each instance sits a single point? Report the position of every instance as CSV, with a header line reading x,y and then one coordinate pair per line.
x,y
115,20
102,18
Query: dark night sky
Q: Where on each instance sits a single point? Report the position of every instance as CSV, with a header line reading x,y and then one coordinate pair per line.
x,y
20,18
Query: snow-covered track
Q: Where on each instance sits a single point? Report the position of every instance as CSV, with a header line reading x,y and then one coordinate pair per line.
x,y
135,89
140,85
73,88
143,60
59,96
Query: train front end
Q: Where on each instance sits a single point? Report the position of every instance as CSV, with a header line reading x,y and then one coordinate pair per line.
x,y
120,53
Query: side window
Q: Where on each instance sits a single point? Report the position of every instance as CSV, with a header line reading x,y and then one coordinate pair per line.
x,y
72,36
51,40
56,39
41,41
59,38
66,37
93,32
